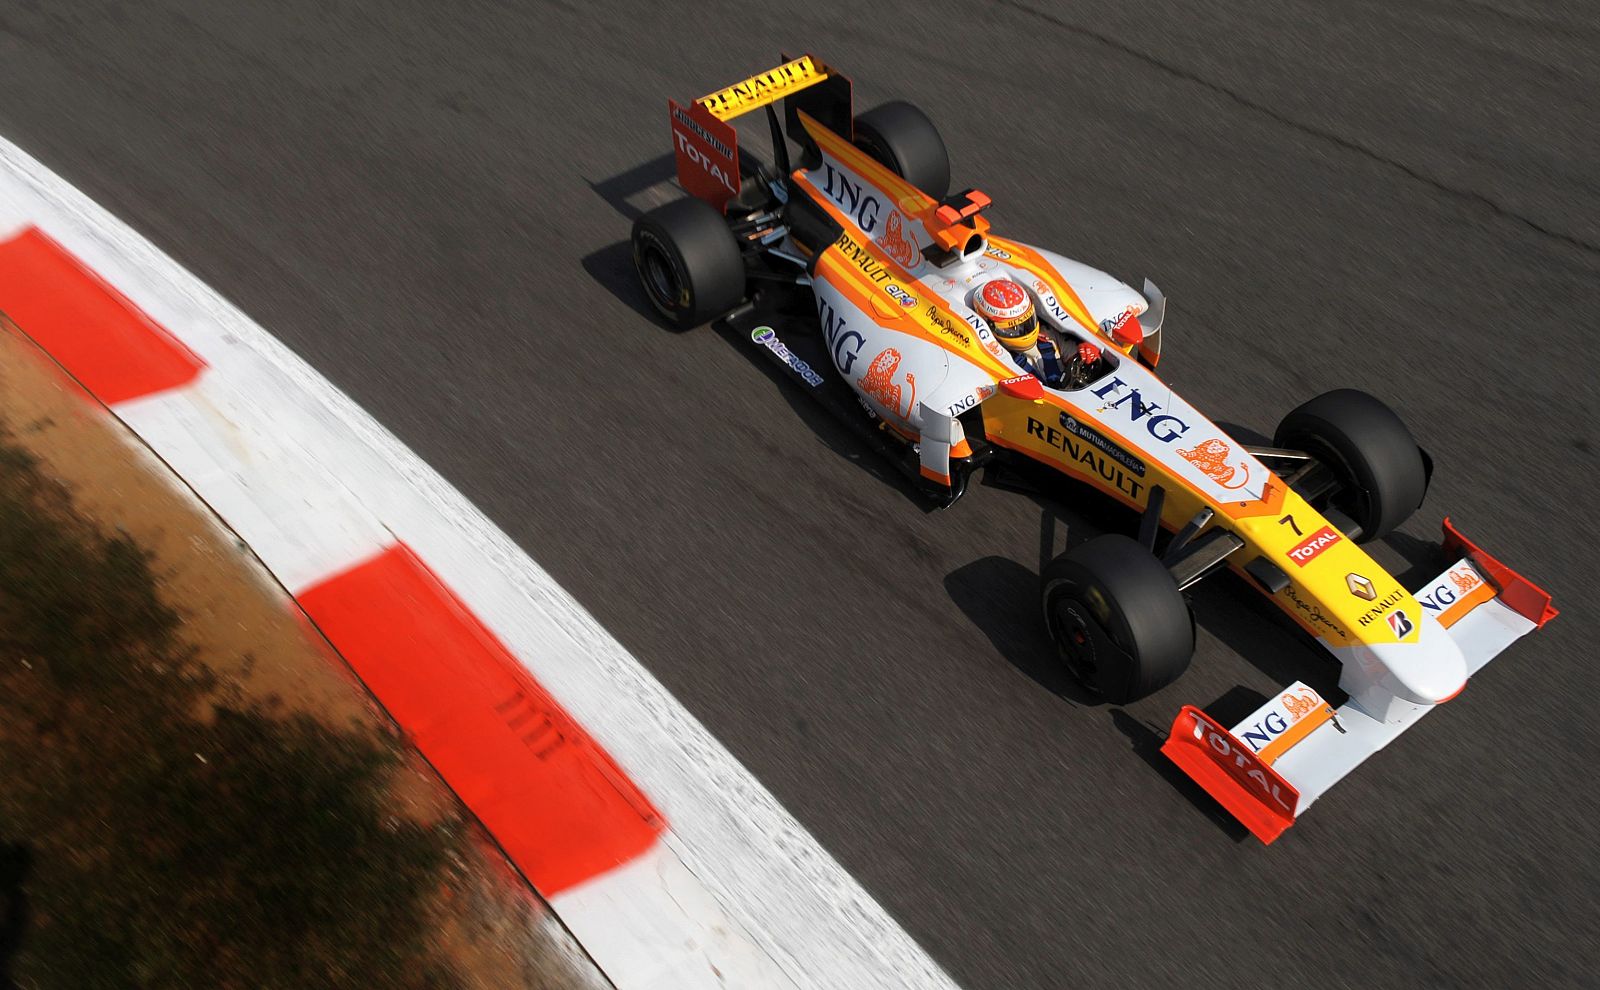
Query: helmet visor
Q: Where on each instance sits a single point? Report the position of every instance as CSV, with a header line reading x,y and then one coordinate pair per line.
x,y
1019,334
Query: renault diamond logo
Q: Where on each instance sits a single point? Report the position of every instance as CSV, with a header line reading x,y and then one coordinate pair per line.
x,y
1360,587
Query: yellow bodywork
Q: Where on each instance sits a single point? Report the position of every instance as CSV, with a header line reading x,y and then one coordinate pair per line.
x,y
1319,595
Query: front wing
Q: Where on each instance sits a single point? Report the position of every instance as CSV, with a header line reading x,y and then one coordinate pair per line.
x,y
1267,770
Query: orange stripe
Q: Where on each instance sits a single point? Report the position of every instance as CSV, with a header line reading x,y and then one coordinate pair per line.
x,y
870,169
909,200
866,291
1296,732
1465,604
839,266
560,807
101,338
1274,491
1034,262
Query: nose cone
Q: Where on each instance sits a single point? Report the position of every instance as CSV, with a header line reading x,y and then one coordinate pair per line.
x,y
1429,671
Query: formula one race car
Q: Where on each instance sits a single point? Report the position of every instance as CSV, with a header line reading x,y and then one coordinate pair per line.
x,y
864,279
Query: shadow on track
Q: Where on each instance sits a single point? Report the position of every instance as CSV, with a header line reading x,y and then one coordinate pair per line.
x,y
612,268
620,189
1001,598
16,862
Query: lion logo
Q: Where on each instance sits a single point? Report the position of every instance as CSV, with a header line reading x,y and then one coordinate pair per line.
x,y
1464,581
1211,457
896,244
878,383
1298,706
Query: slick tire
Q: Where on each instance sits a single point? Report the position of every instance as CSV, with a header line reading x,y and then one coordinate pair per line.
x,y
1381,471
901,137
1119,623
688,262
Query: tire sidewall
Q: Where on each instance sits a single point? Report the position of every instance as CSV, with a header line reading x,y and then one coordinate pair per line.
x,y
900,136
1137,618
688,242
650,246
1369,448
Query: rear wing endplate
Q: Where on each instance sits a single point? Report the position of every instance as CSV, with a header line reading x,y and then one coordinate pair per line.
x,y
705,143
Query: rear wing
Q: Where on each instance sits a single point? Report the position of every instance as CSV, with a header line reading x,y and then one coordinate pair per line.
x,y
707,146
1267,770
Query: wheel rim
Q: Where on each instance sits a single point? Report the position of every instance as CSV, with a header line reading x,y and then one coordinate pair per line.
x,y
1355,501
1075,643
660,278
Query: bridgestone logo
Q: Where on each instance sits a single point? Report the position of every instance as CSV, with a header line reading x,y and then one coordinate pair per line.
x,y
705,135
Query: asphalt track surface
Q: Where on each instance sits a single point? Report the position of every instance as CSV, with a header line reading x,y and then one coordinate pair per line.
x,y
428,201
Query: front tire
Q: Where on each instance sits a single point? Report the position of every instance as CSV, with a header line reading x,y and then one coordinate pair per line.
x,y
688,262
1380,468
1119,622
902,138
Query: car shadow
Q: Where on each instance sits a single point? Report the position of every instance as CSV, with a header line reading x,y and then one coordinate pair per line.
x,y
1146,741
844,442
622,189
16,862
1000,598
612,268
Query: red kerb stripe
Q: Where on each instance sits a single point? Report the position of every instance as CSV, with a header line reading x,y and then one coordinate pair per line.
x,y
561,808
105,341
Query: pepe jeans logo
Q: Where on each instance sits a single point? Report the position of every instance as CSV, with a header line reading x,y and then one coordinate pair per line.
x,y
1314,613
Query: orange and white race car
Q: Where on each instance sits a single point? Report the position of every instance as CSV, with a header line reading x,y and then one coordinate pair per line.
x,y
890,299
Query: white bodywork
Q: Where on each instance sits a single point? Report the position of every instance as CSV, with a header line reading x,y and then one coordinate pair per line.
x,y
891,344
1481,627
918,378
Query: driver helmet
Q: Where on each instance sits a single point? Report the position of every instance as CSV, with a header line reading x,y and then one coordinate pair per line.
x,y
1006,306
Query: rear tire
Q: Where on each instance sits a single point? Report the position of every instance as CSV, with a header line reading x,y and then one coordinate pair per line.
x,y
1380,468
901,137
688,262
1119,622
